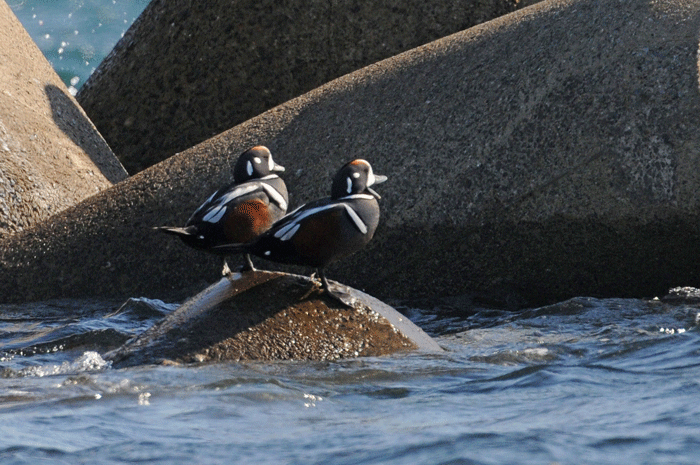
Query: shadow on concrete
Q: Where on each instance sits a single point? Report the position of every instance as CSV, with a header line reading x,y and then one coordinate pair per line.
x,y
73,122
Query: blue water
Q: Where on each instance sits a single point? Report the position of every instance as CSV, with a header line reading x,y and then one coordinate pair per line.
x,y
76,35
586,381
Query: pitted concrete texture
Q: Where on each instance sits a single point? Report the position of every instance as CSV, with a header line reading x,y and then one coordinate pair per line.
x,y
187,71
546,154
51,156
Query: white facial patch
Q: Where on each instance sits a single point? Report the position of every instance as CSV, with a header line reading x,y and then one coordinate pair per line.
x,y
249,168
370,177
349,185
257,160
270,163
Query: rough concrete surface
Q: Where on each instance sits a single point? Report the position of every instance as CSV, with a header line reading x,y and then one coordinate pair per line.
x,y
549,153
265,316
186,71
51,156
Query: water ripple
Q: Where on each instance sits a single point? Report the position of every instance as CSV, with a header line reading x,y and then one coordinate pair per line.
x,y
583,381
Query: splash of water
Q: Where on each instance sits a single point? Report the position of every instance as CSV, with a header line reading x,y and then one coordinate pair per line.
x,y
88,362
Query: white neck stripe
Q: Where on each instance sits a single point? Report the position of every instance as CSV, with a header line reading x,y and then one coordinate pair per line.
x,y
357,196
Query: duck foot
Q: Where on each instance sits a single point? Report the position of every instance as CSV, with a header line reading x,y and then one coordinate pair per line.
x,y
323,287
313,289
226,271
343,298
248,266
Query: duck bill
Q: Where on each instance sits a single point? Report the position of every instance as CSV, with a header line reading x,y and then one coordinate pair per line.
x,y
375,179
379,178
274,167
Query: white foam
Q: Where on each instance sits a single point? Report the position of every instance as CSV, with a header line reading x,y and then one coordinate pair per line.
x,y
89,361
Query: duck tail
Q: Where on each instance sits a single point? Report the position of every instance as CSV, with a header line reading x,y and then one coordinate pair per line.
x,y
180,232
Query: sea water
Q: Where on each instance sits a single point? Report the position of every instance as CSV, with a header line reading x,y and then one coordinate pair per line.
x,y
585,381
76,35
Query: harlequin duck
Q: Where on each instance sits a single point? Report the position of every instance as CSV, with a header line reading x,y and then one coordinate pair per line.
x,y
240,211
326,230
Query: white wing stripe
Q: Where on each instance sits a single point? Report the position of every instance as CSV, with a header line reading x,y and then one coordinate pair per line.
x,y
356,219
282,232
286,232
206,202
288,235
215,214
275,196
237,192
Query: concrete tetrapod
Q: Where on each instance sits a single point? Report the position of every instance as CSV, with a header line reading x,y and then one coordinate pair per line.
x,y
550,153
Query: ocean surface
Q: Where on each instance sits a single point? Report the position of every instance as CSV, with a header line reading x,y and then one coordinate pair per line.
x,y
585,381
76,35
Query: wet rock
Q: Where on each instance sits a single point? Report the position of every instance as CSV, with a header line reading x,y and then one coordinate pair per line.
x,y
219,64
51,156
272,316
682,294
547,154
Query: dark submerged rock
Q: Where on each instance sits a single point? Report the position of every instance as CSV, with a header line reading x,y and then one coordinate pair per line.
x,y
682,294
271,316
